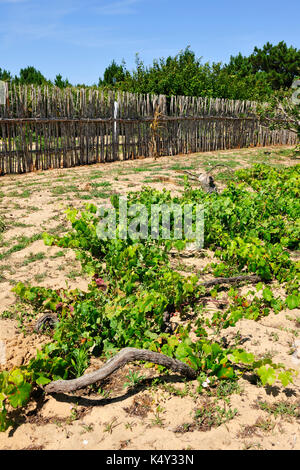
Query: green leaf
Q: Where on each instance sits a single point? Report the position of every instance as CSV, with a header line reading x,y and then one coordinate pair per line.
x,y
43,380
267,294
16,377
4,422
225,372
2,398
285,378
293,301
241,357
20,395
180,245
259,286
48,239
267,375
183,351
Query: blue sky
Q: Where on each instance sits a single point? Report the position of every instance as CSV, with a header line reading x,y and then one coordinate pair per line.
x,y
80,38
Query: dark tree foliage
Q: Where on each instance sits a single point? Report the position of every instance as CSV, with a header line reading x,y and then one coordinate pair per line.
x,y
180,75
5,75
249,78
60,83
113,74
255,77
31,76
280,63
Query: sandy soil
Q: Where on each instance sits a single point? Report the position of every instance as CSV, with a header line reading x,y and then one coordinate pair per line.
x,y
157,414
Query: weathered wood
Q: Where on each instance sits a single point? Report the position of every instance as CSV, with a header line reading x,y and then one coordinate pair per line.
x,y
48,319
231,280
119,360
77,127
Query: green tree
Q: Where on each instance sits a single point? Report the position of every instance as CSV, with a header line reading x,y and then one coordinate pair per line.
x,y
30,75
280,63
5,75
113,74
60,83
183,74
249,78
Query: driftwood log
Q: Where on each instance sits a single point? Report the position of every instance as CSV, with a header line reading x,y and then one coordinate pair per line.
x,y
49,319
119,360
205,179
231,280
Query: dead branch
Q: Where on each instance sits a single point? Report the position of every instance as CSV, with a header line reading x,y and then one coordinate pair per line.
x,y
205,180
231,280
119,360
219,164
49,319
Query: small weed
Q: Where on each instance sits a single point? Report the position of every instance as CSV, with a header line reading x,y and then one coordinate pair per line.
x,y
79,361
22,225
99,195
176,391
87,428
20,312
33,257
58,255
73,274
73,416
2,225
129,425
185,427
211,415
274,336
103,393
23,242
24,194
58,190
133,379
177,166
265,425
158,420
282,408
104,184
224,389
40,277
252,445
95,175
110,426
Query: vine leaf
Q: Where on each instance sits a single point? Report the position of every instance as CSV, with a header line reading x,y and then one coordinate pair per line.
x,y
267,375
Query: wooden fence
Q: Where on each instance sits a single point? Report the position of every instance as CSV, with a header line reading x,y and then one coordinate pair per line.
x,y
53,128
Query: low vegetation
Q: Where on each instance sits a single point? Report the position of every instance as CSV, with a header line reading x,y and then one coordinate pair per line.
x,y
252,226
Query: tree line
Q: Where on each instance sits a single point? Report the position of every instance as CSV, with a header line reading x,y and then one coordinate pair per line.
x,y
255,77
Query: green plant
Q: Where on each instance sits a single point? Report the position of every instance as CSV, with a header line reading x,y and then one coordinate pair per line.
x,y
134,378
212,415
111,425
281,408
79,361
158,420
15,391
251,226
